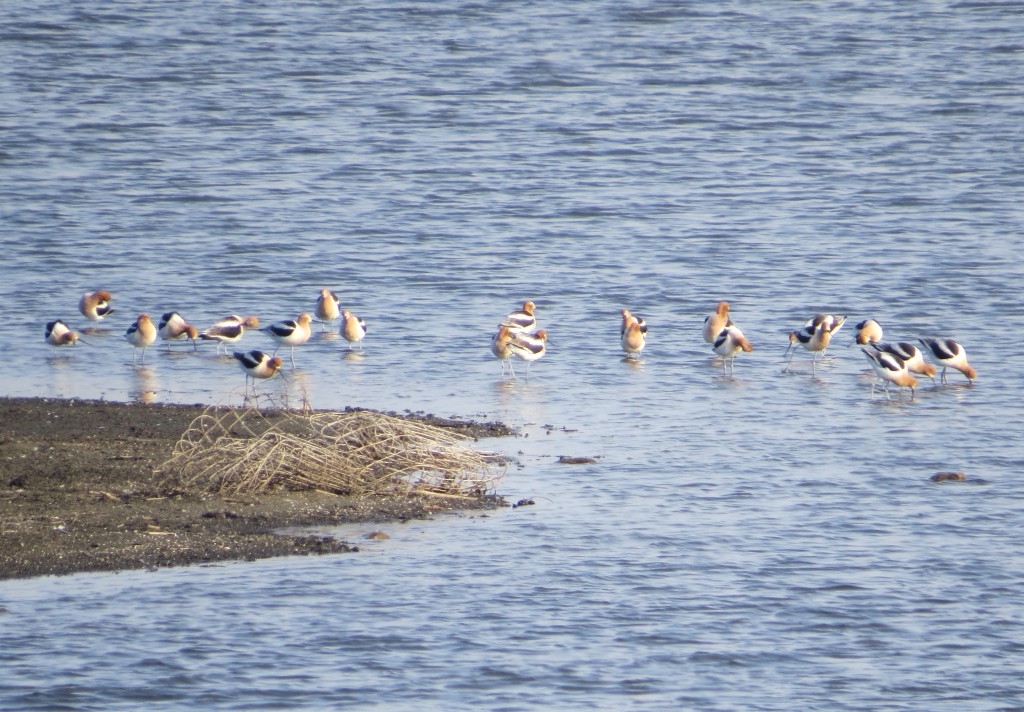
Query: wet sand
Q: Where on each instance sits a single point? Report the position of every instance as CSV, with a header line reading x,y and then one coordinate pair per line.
x,y
78,493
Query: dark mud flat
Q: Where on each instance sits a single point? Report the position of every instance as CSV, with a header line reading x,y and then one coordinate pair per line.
x,y
78,493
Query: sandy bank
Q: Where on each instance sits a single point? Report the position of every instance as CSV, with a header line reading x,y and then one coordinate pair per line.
x,y
78,493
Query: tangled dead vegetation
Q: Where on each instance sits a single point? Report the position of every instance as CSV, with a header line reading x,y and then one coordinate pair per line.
x,y
248,451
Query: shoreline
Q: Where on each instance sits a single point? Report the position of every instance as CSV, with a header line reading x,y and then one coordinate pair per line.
x,y
78,492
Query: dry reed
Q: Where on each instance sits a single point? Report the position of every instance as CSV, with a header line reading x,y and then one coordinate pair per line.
x,y
248,451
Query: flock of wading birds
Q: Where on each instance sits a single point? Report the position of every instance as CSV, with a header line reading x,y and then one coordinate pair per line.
x,y
518,335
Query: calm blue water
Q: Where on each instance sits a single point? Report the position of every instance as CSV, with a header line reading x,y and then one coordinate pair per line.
x,y
764,542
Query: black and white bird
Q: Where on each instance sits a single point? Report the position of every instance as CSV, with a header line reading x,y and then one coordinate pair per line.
x,y
289,333
229,330
141,335
95,305
890,369
728,345
173,327
257,364
951,355
522,321
58,334
813,338
908,354
715,322
529,347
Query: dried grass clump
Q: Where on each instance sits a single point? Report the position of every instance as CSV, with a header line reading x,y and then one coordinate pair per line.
x,y
250,451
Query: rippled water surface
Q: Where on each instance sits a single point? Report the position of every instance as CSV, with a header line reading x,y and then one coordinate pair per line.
x,y
764,541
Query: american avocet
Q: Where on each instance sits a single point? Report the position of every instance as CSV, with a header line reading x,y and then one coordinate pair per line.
x,y
257,364
289,333
890,369
910,355
951,355
814,339
229,330
327,308
729,343
173,327
634,338
628,318
95,305
869,331
831,322
352,328
522,321
501,349
529,347
58,334
141,334
714,323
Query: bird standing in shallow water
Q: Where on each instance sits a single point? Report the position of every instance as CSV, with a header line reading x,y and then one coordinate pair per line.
x,y
714,323
814,339
628,318
501,349
728,345
353,328
95,305
951,355
257,364
229,330
890,369
529,347
910,355
58,334
634,338
327,308
289,333
174,327
831,323
522,321
869,331
141,335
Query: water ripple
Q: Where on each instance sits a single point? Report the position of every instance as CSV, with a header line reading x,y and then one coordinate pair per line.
x,y
760,541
